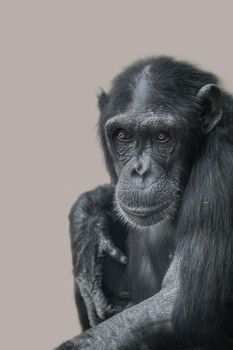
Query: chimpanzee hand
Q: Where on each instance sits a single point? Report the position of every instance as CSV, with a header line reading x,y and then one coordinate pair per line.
x,y
89,226
146,325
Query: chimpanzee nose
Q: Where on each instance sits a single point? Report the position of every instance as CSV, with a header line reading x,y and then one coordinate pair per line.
x,y
141,166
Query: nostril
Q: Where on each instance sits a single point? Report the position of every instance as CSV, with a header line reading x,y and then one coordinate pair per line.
x,y
133,172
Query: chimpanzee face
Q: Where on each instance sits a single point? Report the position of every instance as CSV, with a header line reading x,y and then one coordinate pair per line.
x,y
152,133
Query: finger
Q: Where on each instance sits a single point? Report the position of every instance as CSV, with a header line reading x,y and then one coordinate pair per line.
x,y
90,307
100,302
114,309
114,252
104,308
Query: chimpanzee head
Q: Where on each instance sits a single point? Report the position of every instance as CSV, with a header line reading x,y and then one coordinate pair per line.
x,y
152,126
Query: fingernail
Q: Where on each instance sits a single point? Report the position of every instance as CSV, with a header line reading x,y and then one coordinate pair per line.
x,y
124,260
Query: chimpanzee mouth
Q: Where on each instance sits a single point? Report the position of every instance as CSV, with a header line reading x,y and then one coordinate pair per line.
x,y
145,216
144,212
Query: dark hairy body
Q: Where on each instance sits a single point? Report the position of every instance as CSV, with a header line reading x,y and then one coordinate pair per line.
x,y
152,251
141,277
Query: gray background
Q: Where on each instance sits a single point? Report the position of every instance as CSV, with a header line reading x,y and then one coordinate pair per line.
x,y
54,55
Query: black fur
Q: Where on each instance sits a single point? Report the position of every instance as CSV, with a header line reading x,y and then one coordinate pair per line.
x,y
198,232
206,241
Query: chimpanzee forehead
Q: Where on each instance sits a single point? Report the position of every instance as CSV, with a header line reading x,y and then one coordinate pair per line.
x,y
151,92
141,89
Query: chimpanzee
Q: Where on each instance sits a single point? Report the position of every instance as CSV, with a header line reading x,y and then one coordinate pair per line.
x,y
153,250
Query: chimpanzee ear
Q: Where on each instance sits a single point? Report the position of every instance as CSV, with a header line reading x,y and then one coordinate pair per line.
x,y
211,100
102,99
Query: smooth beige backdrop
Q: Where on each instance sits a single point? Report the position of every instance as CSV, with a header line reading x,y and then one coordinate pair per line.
x,y
54,55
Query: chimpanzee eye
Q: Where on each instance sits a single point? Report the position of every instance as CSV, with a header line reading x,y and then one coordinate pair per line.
x,y
162,136
122,135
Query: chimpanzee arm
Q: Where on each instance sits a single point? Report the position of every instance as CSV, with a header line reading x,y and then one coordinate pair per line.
x,y
90,218
146,325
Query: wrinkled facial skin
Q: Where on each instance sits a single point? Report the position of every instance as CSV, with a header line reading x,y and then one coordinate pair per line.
x,y
150,163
